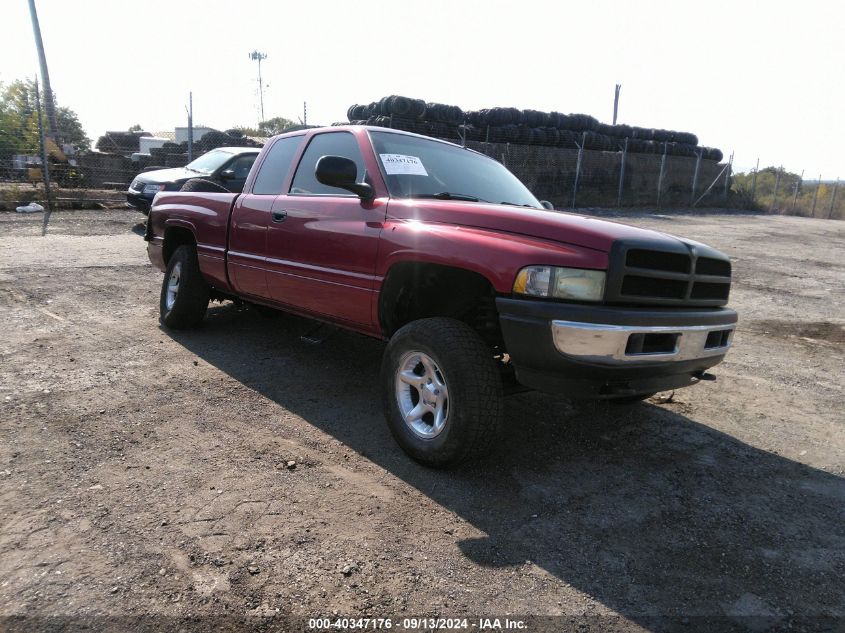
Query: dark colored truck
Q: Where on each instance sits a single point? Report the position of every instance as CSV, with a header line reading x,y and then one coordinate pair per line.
x,y
477,286
227,167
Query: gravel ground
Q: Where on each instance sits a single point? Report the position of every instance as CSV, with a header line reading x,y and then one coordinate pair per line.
x,y
238,475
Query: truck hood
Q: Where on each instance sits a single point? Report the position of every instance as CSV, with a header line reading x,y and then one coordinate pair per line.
x,y
555,226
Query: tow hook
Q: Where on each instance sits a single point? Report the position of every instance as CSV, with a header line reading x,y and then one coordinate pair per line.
x,y
703,375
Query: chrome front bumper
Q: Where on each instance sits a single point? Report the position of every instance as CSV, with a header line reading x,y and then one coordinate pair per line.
x,y
623,344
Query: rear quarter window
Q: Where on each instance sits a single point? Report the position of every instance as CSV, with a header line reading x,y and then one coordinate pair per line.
x,y
273,171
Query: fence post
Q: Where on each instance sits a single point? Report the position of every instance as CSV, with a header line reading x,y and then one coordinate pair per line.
x,y
712,184
816,196
578,167
797,187
662,171
832,199
190,127
622,174
754,181
775,192
728,179
695,177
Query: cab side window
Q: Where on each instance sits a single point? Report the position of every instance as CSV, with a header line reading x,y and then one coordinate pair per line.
x,y
328,144
242,165
276,166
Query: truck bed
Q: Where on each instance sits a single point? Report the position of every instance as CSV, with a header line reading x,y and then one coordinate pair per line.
x,y
206,215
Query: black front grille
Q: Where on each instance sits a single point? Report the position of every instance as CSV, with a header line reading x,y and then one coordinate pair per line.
x,y
710,266
706,290
656,260
645,273
634,286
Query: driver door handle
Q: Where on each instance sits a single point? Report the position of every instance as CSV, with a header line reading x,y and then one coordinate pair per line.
x,y
279,216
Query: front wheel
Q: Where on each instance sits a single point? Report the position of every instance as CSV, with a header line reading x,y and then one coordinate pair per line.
x,y
184,292
442,392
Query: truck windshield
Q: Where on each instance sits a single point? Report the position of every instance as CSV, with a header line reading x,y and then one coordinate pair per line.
x,y
417,167
208,163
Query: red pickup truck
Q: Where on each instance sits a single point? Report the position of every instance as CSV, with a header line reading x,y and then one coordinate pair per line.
x,y
475,284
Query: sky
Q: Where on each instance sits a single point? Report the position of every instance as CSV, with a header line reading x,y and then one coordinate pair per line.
x,y
760,79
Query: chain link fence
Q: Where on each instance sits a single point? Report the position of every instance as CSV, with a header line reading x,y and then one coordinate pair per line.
x,y
774,190
585,178
569,177
101,178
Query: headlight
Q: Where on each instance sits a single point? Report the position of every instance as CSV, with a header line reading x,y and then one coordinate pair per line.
x,y
153,188
560,283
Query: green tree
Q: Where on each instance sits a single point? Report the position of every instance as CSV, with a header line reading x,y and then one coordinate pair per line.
x,y
276,125
136,128
19,121
270,127
249,131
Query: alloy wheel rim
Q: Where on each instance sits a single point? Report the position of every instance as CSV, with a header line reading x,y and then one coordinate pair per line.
x,y
173,285
422,394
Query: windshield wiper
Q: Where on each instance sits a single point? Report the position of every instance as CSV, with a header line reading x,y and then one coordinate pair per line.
x,y
516,204
446,195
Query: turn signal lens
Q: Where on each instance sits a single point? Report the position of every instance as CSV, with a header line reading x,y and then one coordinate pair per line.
x,y
533,281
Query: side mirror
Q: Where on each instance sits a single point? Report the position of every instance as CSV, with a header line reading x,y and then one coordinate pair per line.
x,y
227,174
337,171
547,205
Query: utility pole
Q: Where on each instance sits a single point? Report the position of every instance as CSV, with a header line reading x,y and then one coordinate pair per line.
x,y
49,106
616,102
258,57
304,113
45,163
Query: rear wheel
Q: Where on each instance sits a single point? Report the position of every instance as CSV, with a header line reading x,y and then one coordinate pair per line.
x,y
184,292
442,392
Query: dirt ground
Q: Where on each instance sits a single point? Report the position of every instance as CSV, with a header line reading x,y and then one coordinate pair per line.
x,y
237,475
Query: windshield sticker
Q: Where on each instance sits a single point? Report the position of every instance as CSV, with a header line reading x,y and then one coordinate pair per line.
x,y
401,164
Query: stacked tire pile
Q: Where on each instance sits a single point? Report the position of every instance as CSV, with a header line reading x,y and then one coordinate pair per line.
x,y
525,127
412,115
120,142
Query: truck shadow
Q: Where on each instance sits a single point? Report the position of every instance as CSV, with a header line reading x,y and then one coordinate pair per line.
x,y
644,509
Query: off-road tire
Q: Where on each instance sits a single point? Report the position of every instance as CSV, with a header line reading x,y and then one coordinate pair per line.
x,y
474,385
190,302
